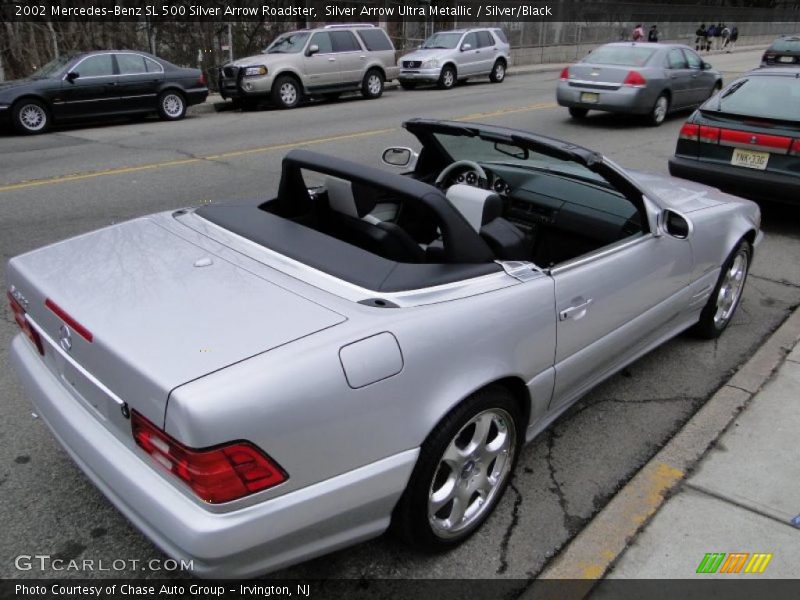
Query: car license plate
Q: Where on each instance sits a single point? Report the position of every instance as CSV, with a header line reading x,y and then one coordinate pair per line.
x,y
750,159
590,97
786,59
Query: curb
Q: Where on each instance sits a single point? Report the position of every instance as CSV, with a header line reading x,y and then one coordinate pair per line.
x,y
590,555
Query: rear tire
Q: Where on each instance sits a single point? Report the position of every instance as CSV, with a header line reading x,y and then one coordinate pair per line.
x,y
30,117
578,113
171,106
372,86
464,466
286,92
498,73
659,111
724,300
447,78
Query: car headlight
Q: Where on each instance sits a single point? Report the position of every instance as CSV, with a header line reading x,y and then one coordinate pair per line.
x,y
431,63
255,71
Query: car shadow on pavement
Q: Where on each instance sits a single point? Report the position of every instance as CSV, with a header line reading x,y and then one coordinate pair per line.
x,y
604,120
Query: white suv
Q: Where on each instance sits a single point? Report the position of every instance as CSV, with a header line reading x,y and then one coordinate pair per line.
x,y
320,62
449,56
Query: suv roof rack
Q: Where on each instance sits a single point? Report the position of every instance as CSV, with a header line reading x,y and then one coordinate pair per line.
x,y
348,25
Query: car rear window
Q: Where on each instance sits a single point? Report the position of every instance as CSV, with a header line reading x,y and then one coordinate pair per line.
x,y
375,40
770,97
788,45
630,56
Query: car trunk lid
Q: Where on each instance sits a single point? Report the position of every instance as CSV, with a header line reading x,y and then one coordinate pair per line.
x,y
159,312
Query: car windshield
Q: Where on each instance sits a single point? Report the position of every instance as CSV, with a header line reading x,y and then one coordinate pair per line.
x,y
769,97
54,67
489,151
442,40
629,56
290,43
786,45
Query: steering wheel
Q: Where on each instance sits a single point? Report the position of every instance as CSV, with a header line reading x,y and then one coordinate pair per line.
x,y
467,165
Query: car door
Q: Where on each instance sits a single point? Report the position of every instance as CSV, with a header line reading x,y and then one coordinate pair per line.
x,y
350,57
702,81
468,58
139,81
321,67
679,78
614,302
90,87
488,52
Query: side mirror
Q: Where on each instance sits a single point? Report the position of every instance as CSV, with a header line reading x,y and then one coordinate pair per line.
x,y
465,47
312,49
676,225
72,76
398,157
707,66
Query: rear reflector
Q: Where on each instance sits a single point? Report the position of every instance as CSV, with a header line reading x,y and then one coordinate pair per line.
x,y
64,316
795,149
689,131
634,79
216,475
22,320
565,74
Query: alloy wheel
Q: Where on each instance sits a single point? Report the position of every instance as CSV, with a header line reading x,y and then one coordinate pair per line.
x,y
32,117
172,105
288,93
374,84
731,289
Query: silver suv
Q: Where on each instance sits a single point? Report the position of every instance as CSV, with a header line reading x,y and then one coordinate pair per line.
x,y
449,56
321,62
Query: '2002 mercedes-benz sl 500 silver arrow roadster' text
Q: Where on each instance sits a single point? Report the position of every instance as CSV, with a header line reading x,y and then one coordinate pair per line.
x,y
256,383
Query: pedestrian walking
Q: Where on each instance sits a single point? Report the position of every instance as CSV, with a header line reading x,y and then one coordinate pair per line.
x,y
701,37
726,36
638,33
718,37
733,39
652,35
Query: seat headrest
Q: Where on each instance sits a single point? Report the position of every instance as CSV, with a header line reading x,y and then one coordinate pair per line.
x,y
340,196
477,206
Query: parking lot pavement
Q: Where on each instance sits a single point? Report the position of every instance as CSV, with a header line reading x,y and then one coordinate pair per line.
x,y
77,179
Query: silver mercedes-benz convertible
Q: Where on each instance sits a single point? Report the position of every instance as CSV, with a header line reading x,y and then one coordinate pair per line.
x,y
256,383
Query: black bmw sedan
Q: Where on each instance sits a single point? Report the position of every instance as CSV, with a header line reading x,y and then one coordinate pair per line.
x,y
100,84
746,139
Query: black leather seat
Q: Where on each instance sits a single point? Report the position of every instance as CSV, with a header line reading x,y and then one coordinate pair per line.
x,y
355,224
483,210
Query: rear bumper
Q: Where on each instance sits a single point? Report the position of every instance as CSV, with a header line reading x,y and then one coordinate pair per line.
x,y
638,101
749,183
196,95
320,518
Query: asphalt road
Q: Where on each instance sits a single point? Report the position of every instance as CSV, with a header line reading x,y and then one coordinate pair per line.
x,y
80,178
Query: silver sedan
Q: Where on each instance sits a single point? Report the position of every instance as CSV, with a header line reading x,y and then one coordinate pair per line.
x,y
256,383
637,78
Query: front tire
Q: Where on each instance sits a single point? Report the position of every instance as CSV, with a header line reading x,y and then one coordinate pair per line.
x,y
498,73
718,312
659,111
447,78
372,86
464,466
171,106
286,92
30,117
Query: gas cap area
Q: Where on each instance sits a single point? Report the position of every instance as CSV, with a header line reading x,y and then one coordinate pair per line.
x,y
371,360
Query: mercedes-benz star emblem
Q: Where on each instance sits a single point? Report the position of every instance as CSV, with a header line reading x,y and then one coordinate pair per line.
x,y
65,337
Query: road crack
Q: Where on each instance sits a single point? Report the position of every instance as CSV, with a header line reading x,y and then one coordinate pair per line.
x,y
572,523
510,530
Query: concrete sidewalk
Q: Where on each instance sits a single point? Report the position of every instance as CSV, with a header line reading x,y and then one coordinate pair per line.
x,y
216,103
744,497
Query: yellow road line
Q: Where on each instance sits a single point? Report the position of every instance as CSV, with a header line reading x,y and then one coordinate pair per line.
x,y
236,153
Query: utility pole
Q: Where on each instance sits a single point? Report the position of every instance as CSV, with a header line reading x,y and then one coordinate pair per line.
x,y
230,42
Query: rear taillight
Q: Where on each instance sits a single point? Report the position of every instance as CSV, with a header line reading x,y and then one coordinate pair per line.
x,y
795,149
22,320
564,74
634,79
709,135
67,318
218,474
689,131
202,80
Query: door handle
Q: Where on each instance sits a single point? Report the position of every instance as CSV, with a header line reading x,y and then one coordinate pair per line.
x,y
575,312
363,57
331,59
